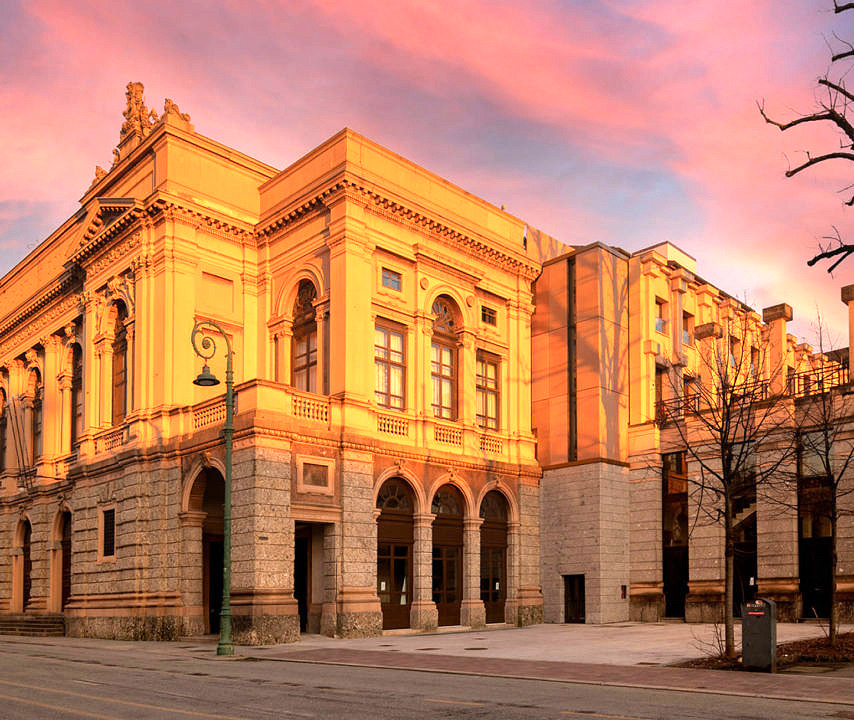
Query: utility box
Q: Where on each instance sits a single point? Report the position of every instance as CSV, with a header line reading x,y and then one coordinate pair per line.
x,y
759,635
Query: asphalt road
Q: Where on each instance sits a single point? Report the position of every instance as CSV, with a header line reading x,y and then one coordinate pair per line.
x,y
46,681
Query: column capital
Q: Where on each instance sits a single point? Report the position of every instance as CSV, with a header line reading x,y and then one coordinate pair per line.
x,y
423,519
472,523
192,518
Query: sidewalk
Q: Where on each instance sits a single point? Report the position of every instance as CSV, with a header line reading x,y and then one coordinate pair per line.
x,y
625,654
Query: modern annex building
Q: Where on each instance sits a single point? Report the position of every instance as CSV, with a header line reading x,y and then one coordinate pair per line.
x,y
384,464
618,342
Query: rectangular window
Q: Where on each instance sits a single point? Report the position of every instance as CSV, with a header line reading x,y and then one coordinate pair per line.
x,y
389,367
76,395
108,546
487,391
2,438
488,315
443,378
687,329
305,360
660,315
392,279
37,424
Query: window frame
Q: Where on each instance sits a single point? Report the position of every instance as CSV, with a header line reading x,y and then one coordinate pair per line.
x,y
103,510
395,279
489,315
119,370
482,390
660,315
440,343
390,365
76,394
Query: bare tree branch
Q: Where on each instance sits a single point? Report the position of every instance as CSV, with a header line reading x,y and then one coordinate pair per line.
x,y
833,109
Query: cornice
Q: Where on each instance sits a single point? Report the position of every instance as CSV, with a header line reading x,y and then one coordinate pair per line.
x,y
223,227
39,302
377,203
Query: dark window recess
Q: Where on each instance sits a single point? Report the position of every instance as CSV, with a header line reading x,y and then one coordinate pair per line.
x,y
316,475
109,533
392,279
488,315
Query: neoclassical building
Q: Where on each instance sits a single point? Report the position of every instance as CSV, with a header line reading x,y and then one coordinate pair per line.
x,y
619,341
384,469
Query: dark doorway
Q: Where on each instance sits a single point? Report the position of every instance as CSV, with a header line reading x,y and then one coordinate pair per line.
x,y
744,539
208,495
814,543
744,563
28,564
213,577
66,559
302,572
674,533
394,552
573,598
493,555
448,507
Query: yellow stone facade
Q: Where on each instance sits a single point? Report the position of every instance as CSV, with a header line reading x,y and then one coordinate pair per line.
x,y
384,463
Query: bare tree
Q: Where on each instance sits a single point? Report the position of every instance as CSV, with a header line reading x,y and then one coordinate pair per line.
x,y
729,419
833,106
825,442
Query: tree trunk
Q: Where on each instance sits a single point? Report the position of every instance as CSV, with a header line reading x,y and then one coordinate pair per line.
x,y
729,573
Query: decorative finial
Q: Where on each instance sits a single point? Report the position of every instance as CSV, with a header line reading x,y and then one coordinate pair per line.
x,y
138,119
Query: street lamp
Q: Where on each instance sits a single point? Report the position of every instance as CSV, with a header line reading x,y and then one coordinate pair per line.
x,y
206,349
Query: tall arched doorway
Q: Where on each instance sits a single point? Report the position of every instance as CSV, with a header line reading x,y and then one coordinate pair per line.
x,y
396,503
448,507
493,555
207,498
65,555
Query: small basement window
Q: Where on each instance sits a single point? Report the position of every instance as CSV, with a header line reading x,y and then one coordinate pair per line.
x,y
392,279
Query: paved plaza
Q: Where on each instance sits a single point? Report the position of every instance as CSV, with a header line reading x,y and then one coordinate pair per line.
x,y
611,644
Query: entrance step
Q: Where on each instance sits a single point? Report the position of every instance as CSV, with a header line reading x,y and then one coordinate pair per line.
x,y
52,625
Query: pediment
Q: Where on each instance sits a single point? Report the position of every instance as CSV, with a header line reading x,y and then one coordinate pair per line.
x,y
103,213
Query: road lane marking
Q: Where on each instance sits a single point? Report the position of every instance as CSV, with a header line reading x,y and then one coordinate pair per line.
x,y
129,703
46,706
453,702
602,715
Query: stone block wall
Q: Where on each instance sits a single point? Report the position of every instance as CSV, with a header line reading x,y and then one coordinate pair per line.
x,y
584,530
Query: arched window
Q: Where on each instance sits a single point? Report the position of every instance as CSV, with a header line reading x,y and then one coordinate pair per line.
x,y
304,366
120,366
76,394
37,391
443,359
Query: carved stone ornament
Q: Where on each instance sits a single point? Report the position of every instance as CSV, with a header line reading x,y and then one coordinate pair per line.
x,y
444,317
100,174
32,357
171,109
138,118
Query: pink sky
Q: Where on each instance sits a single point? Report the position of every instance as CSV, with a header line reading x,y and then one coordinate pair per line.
x,y
623,121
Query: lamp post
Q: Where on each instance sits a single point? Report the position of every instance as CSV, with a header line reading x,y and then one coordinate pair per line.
x,y
205,347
